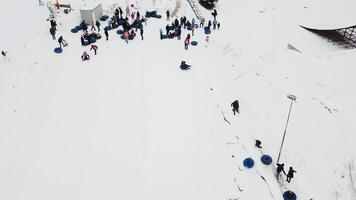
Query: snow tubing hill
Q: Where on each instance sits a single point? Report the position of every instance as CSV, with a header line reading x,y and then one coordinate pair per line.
x,y
58,50
249,163
289,195
266,159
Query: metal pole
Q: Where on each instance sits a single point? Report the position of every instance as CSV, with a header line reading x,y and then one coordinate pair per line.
x,y
285,130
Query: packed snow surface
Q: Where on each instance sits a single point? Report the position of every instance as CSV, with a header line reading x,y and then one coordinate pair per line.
x,y
130,124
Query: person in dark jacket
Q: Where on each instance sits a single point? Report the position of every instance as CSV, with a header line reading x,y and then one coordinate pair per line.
x,y
167,29
52,31
184,66
141,32
214,13
82,40
219,26
235,106
94,47
85,56
168,15
258,144
290,174
176,23
138,15
209,24
106,34
280,168
60,41
53,24
97,23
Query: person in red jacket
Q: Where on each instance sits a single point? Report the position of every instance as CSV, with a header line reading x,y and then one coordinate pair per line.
x,y
94,47
187,41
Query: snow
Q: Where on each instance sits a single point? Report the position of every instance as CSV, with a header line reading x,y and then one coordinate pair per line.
x,y
129,124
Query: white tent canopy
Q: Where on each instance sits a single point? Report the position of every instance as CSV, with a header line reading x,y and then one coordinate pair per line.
x,y
91,12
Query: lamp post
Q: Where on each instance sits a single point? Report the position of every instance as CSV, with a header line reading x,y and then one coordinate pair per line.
x,y
292,98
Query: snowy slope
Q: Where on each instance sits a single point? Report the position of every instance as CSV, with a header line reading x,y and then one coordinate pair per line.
x,y
130,124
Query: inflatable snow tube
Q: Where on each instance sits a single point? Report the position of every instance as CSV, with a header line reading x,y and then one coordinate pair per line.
x,y
74,30
207,31
108,28
115,25
122,37
289,195
78,28
249,163
98,37
194,43
92,40
58,50
104,18
120,32
86,43
266,159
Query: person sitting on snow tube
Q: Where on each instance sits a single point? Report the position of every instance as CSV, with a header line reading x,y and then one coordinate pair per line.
x,y
184,66
85,56
132,34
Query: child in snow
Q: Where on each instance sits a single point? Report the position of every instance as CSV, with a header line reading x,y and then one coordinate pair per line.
x,y
85,56
184,66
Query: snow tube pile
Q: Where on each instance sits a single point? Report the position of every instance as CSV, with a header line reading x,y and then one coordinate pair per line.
x,y
108,28
104,18
249,163
58,50
194,43
120,32
289,195
266,159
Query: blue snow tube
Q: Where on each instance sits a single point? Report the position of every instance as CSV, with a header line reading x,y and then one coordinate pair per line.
x,y
194,43
108,28
86,43
104,18
74,30
115,25
122,37
92,40
289,195
120,32
266,159
57,50
78,28
249,163
207,30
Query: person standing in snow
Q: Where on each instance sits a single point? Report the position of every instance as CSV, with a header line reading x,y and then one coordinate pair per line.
x,y
235,106
168,15
141,32
60,41
214,13
187,41
52,31
209,24
202,22
290,174
127,11
97,23
106,34
93,26
94,47
280,168
214,24
219,26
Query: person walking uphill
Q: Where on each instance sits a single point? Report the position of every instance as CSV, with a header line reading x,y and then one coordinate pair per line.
x,y
52,31
168,15
280,168
141,33
187,41
94,47
106,34
97,23
235,106
290,174
61,42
